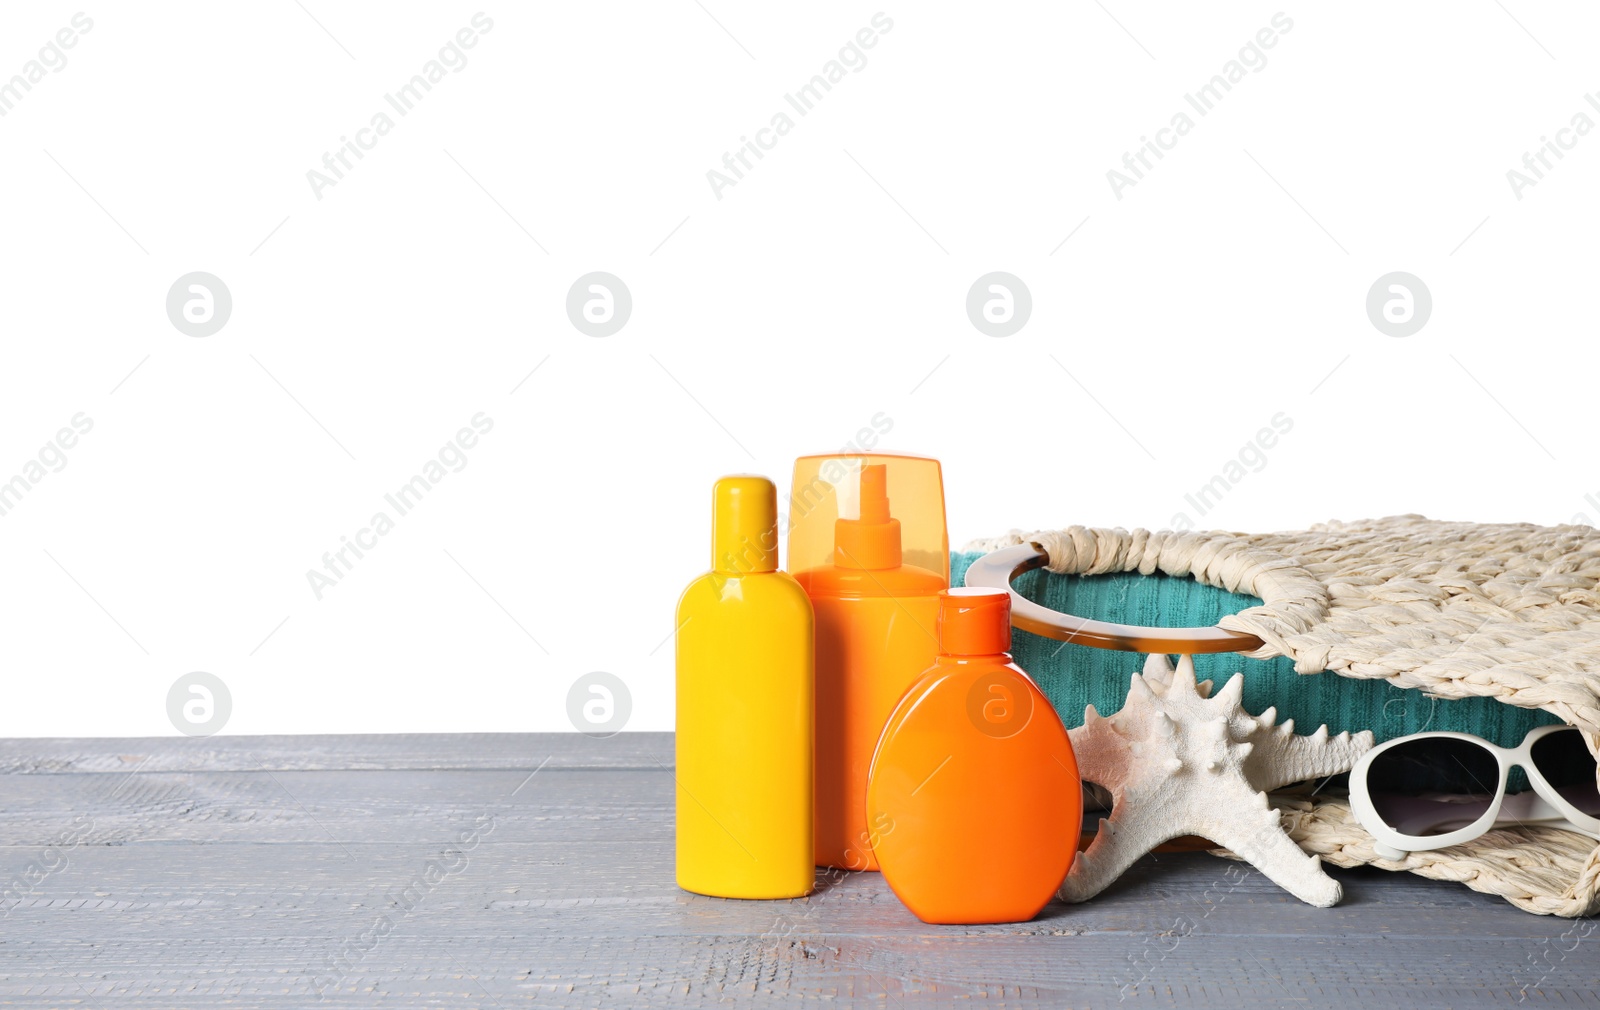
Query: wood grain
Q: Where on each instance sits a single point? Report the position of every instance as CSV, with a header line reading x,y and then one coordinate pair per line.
x,y
511,870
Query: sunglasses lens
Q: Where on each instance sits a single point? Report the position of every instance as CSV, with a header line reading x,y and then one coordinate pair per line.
x,y
1433,786
1567,765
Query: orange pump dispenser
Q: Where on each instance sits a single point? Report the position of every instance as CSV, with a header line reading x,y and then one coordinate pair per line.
x,y
867,541
974,791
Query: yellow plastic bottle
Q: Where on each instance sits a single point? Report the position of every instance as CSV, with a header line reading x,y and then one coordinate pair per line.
x,y
744,710
867,541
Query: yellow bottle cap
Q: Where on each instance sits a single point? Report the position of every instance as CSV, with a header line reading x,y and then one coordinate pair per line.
x,y
744,525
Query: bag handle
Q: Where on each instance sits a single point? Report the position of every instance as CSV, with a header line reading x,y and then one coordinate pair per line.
x,y
998,568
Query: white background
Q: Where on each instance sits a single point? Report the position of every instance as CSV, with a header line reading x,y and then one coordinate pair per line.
x,y
827,286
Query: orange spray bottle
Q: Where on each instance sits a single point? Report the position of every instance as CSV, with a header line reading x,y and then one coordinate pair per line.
x,y
867,541
974,789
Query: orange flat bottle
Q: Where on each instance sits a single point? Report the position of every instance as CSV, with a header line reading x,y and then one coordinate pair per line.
x,y
867,542
974,791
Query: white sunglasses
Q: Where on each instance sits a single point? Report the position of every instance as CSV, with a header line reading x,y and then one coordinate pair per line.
x,y
1390,796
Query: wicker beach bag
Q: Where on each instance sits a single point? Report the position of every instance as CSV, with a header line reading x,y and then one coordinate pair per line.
x,y
1486,629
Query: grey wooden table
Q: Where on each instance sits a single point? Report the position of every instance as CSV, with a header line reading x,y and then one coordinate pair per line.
x,y
500,871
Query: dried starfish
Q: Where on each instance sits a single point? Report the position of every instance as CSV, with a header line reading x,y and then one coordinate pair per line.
x,y
1181,762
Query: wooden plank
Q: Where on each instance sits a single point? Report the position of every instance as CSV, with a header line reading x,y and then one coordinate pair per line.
x,y
48,755
285,887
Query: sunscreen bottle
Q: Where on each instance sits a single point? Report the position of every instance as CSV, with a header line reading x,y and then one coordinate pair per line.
x,y
975,771
867,541
744,705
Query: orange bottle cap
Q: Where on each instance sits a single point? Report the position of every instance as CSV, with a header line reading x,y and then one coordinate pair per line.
x,y
868,511
974,621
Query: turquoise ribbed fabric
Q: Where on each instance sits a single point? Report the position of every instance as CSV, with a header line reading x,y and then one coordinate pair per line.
x,y
1073,676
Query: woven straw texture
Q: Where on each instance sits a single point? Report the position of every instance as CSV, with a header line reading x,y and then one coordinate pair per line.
x,y
1457,610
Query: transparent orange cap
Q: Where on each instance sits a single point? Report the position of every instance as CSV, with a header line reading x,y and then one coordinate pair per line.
x,y
869,511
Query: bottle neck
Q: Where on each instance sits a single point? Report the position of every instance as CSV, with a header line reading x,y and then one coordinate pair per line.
x,y
732,571
990,659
